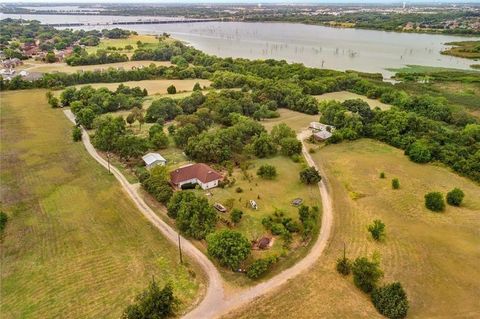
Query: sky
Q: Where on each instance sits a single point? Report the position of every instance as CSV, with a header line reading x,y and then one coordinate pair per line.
x,y
240,1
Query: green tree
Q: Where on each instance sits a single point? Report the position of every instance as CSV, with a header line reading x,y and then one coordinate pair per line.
x,y
455,197
85,117
107,132
419,152
377,229
195,217
391,300
263,146
197,87
76,134
395,183
258,268
267,171
434,201
290,146
3,221
366,273
50,57
153,303
171,89
164,109
282,131
310,175
236,215
131,146
228,247
183,134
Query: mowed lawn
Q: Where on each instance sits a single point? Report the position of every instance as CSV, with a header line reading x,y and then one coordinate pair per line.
x,y
345,95
434,255
75,246
63,67
154,86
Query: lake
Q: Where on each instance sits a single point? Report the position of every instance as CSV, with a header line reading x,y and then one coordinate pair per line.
x,y
317,46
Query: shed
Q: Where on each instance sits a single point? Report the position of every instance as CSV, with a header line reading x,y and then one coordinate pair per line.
x,y
153,159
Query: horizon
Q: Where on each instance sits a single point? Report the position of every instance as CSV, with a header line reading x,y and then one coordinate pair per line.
x,y
285,2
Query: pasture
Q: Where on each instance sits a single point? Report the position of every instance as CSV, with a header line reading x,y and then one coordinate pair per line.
x,y
434,255
75,246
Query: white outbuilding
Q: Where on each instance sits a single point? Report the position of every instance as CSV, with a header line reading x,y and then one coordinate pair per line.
x,y
153,159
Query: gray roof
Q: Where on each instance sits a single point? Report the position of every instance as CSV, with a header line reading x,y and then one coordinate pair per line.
x,y
151,158
323,134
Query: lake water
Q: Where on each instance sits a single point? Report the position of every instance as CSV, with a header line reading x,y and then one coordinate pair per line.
x,y
317,46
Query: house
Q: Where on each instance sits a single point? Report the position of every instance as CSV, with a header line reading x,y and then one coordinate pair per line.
x,y
11,63
322,135
153,159
198,173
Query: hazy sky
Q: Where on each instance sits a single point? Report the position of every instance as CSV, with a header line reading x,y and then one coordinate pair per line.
x,y
242,1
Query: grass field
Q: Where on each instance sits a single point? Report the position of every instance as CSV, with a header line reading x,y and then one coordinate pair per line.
x,y
121,43
63,67
434,255
75,246
154,86
464,49
345,95
296,120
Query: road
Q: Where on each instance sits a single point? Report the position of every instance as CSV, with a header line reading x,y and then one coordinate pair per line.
x,y
215,302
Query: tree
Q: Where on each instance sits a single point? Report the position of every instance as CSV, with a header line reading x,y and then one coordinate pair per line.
x,y
183,134
434,201
263,146
267,171
395,183
344,266
195,217
76,134
310,175
377,229
131,146
236,215
164,109
282,131
50,57
176,202
171,89
153,303
197,87
156,183
107,132
230,248
130,119
366,273
258,268
419,152
391,301
455,197
290,146
382,175
3,221
52,100
85,117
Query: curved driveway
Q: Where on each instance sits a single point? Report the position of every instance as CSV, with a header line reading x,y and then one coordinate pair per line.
x,y
215,303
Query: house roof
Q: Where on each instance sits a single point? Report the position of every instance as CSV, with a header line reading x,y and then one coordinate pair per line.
x,y
323,135
200,171
151,158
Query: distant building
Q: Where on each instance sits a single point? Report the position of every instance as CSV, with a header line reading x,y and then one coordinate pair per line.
x,y
322,135
11,63
199,173
321,131
153,159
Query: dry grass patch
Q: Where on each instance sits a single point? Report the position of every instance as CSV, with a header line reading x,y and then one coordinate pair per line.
x,y
296,120
345,95
435,256
65,68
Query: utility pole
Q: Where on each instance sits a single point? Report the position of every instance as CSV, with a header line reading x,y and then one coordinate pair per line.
x,y
180,249
108,161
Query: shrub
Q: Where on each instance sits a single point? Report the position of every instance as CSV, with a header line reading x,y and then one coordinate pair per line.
x,y
377,229
258,268
267,171
152,303
239,189
419,152
395,183
236,215
3,221
310,175
344,266
76,134
434,201
171,89
382,175
230,248
366,274
391,301
455,197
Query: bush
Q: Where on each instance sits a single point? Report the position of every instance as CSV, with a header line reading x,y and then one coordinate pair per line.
x,y
434,201
395,183
382,175
344,266
455,197
76,134
267,171
239,189
152,303
236,215
419,152
230,248
366,274
377,229
3,221
391,301
258,268
189,186
171,89
310,175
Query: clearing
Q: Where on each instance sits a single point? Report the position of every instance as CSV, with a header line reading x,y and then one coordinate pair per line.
x,y
35,66
435,256
296,120
345,95
121,43
74,243
154,86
